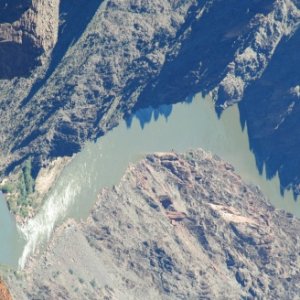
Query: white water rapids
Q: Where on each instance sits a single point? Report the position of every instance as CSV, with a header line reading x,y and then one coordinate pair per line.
x,y
103,163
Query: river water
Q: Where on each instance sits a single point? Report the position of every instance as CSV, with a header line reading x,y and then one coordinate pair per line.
x,y
11,241
102,164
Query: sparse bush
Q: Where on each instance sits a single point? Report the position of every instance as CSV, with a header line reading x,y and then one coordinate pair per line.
x,y
81,280
23,212
25,187
28,180
7,188
55,274
22,188
93,283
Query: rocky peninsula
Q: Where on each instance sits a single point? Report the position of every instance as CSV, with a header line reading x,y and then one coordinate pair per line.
x,y
177,226
71,70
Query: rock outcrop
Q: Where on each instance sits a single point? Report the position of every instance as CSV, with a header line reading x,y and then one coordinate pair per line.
x,y
123,55
4,292
178,226
28,29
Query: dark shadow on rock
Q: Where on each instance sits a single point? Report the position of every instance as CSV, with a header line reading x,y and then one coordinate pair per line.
x,y
271,109
201,65
75,15
12,10
205,53
18,59
11,167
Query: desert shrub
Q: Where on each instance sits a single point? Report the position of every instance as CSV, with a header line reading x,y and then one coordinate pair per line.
x,y
28,180
7,188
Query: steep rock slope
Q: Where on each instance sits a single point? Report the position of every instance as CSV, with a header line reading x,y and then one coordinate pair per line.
x,y
178,226
28,29
122,55
93,82
253,60
4,292
270,108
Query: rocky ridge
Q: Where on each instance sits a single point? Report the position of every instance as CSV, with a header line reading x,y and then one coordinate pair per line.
x,y
178,226
123,55
28,29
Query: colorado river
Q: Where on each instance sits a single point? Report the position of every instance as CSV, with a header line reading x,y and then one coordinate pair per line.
x,y
11,240
102,164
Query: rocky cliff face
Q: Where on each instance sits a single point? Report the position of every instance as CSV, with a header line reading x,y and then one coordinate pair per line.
x,y
4,292
251,60
28,29
176,227
113,57
270,108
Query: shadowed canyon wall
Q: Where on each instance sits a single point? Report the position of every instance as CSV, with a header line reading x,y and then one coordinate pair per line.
x,y
124,55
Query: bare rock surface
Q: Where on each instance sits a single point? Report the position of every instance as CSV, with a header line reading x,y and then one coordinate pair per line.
x,y
178,226
112,57
28,29
4,292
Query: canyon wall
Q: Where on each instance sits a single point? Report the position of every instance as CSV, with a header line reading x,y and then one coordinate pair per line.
x,y
113,57
178,226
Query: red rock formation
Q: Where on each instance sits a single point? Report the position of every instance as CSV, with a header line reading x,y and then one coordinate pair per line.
x,y
4,292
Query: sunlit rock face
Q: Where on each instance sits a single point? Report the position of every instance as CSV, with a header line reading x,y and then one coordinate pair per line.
x,y
27,30
113,57
177,226
244,52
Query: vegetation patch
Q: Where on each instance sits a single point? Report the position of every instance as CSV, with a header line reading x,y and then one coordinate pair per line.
x,y
19,190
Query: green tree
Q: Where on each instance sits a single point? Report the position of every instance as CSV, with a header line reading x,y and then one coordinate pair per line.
x,y
28,180
7,188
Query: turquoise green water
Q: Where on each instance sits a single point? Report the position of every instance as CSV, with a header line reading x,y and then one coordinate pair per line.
x,y
103,163
189,126
11,242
